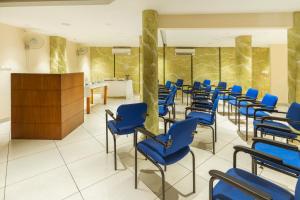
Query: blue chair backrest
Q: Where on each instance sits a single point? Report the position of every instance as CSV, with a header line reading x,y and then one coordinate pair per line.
x,y
222,85
181,134
294,114
297,189
206,82
252,93
197,85
269,100
131,115
215,95
168,84
208,89
179,83
171,97
236,89
215,101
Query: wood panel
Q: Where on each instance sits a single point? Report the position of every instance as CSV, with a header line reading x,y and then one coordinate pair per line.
x,y
46,106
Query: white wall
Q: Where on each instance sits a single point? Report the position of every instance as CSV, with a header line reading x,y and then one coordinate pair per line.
x,y
279,71
12,56
72,59
17,59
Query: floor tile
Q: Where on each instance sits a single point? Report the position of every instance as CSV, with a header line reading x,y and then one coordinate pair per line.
x,y
118,187
20,148
94,168
78,150
32,165
76,196
2,174
77,135
55,184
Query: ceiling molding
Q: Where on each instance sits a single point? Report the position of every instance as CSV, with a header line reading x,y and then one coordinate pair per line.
x,y
244,20
16,3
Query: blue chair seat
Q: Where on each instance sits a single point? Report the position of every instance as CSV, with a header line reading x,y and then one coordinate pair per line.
x,y
202,117
242,104
161,102
226,97
120,131
275,132
251,111
225,191
157,152
288,156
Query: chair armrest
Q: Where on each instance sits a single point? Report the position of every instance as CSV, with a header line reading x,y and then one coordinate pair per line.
x,y
153,137
215,174
275,143
283,119
197,109
270,110
110,113
274,128
256,154
169,120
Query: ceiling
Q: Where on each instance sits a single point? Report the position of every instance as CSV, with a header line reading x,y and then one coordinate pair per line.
x,y
119,23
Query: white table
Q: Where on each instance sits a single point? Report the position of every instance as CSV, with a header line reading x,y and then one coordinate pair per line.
x,y
89,94
120,88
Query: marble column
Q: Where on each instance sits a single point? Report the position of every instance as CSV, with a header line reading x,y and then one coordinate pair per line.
x,y
150,68
243,52
141,66
58,60
294,60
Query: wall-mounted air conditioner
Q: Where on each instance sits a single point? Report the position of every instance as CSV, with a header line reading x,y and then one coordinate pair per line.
x,y
185,51
121,51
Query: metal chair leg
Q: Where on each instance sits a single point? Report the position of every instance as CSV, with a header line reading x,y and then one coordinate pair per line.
x,y
254,167
247,127
216,129
239,120
194,171
106,129
115,152
135,160
213,138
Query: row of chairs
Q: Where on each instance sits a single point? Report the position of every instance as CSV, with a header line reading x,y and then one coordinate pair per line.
x,y
170,147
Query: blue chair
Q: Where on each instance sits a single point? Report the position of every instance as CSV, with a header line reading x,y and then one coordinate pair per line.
x,y
166,86
238,184
205,101
167,149
288,156
206,83
128,117
165,103
205,117
179,85
268,102
200,94
230,94
162,94
221,86
251,95
273,125
190,89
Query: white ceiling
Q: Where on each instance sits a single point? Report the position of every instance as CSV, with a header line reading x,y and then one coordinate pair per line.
x,y
119,23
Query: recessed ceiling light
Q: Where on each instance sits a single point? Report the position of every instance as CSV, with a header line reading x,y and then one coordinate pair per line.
x,y
65,24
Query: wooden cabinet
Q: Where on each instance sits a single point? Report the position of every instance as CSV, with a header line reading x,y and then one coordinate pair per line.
x,y
46,106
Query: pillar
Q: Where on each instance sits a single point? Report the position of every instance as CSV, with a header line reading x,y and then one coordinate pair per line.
x,y
294,60
58,60
150,68
243,48
141,66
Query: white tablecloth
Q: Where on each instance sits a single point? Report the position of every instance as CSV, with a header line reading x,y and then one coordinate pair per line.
x,y
120,88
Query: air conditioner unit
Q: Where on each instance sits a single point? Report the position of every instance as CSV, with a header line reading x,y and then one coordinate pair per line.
x,y
185,51
121,51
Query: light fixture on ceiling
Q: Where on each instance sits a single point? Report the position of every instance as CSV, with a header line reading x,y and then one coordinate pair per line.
x,y
121,50
185,51
65,24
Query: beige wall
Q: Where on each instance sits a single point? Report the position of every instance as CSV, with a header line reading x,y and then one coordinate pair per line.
x,y
279,71
72,59
12,57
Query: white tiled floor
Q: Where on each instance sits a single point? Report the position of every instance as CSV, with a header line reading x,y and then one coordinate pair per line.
x,y
78,167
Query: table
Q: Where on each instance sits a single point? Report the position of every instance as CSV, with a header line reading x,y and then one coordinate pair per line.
x,y
89,94
120,88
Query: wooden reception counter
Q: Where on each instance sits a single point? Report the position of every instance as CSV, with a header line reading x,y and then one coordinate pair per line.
x,y
46,106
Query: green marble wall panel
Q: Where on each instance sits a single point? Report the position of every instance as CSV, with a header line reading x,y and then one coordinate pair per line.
x,y
261,70
294,60
160,65
58,56
102,63
244,60
150,68
229,70
141,65
129,65
177,66
206,64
